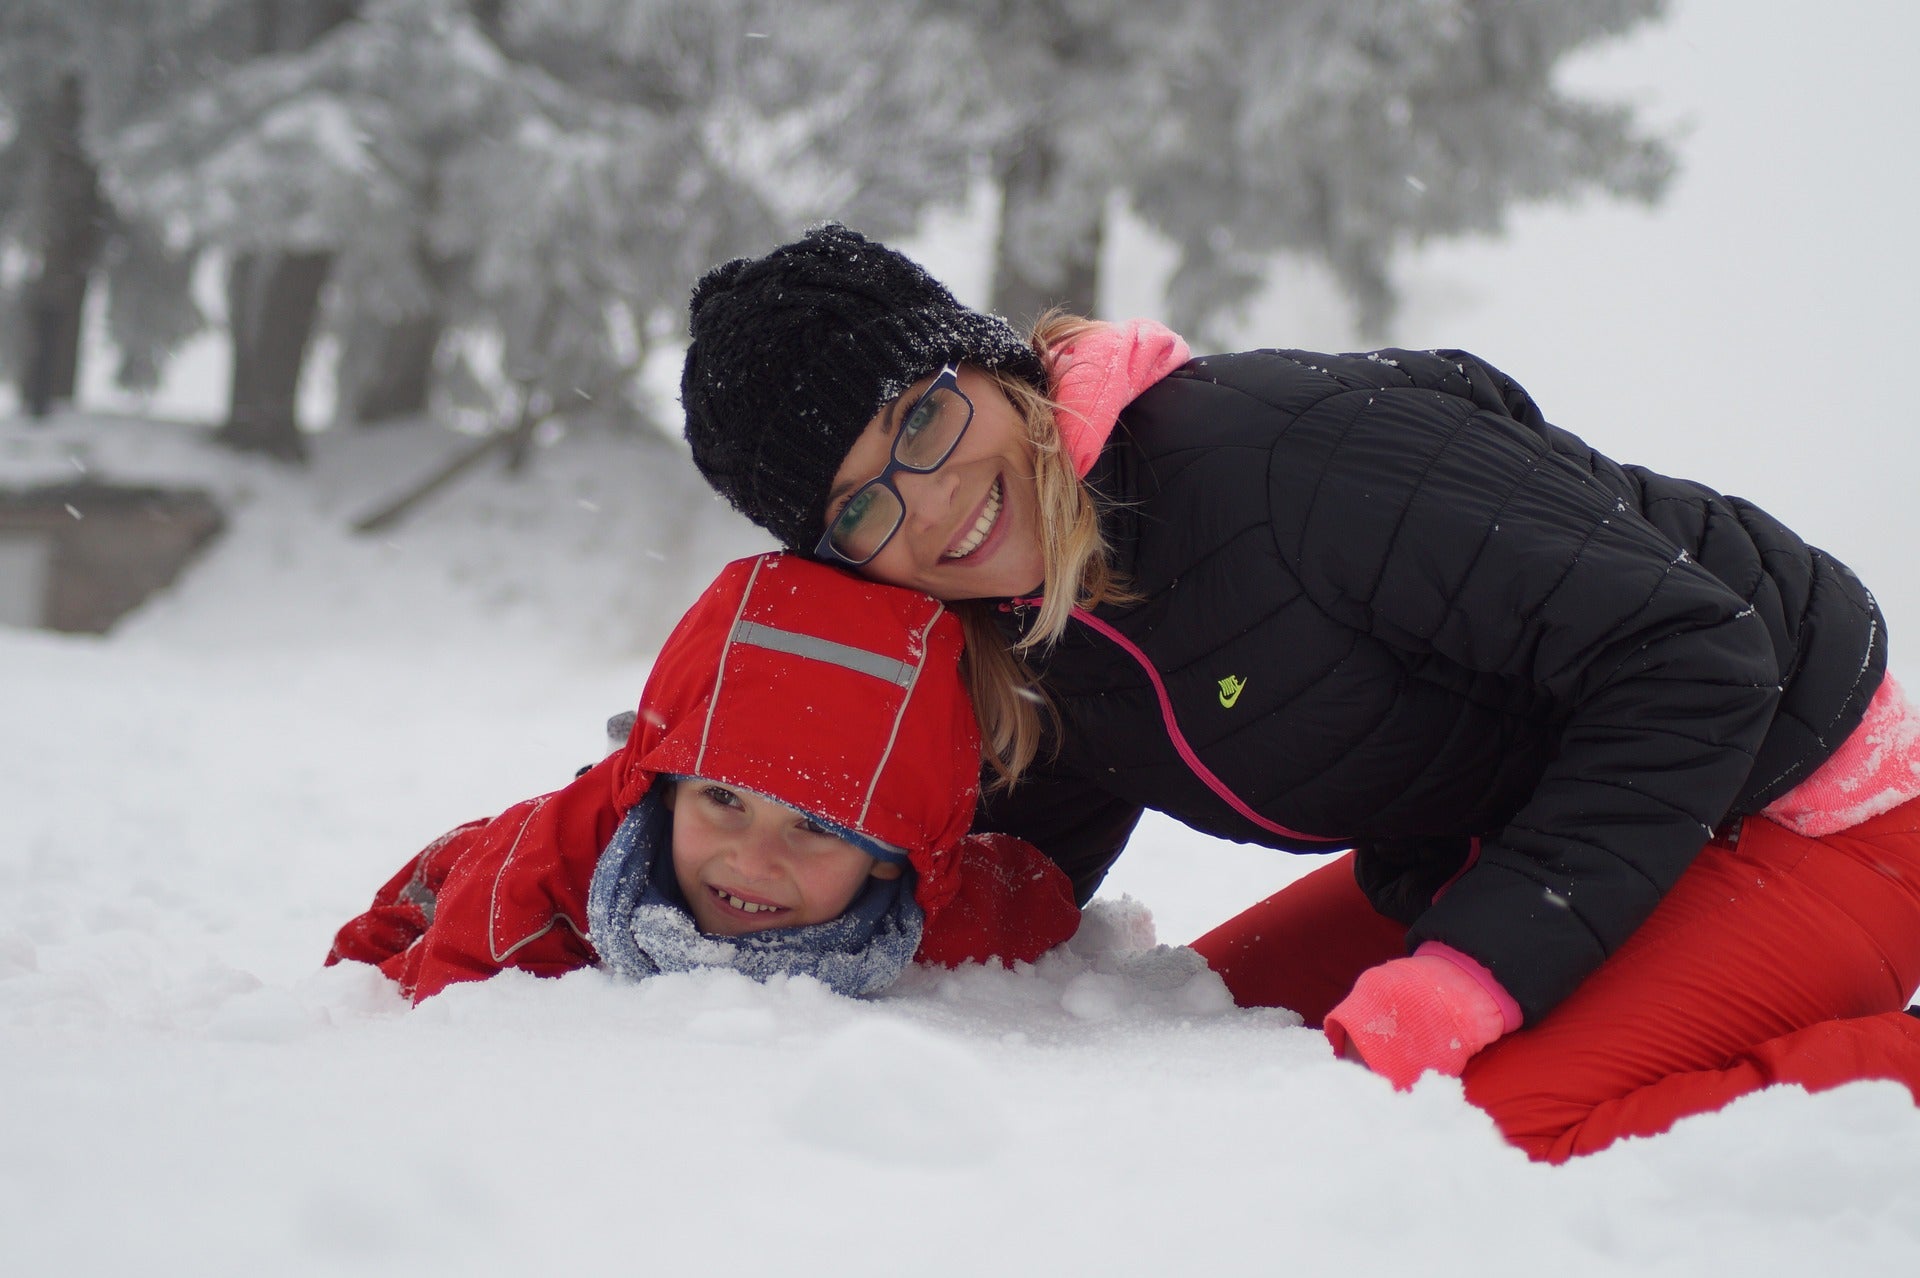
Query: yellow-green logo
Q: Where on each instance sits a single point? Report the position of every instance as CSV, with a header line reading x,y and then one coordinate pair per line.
x,y
1230,688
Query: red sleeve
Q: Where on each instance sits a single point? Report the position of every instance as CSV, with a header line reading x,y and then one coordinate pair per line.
x,y
403,908
1013,904
509,892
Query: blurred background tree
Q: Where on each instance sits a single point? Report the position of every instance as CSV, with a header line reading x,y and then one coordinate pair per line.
x,y
72,73
1341,130
494,208
1347,130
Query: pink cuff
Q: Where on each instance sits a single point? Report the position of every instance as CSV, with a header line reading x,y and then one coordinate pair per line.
x,y
1510,1014
1412,1015
1875,770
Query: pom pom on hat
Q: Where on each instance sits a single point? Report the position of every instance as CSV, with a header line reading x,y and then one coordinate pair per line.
x,y
793,354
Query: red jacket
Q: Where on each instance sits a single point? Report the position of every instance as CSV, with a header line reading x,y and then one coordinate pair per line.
x,y
787,678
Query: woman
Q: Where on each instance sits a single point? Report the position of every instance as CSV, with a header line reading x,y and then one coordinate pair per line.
x,y
1372,601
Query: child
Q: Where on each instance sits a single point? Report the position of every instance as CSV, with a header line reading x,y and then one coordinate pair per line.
x,y
794,797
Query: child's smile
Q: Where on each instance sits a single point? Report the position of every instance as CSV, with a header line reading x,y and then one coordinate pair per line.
x,y
743,905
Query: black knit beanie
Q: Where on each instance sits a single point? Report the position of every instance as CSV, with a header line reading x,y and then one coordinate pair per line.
x,y
792,355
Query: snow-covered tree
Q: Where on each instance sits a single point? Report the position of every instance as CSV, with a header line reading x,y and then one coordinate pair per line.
x,y
72,71
261,202
708,127
522,190
1338,129
509,198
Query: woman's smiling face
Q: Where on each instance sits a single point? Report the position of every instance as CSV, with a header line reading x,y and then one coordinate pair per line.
x,y
972,527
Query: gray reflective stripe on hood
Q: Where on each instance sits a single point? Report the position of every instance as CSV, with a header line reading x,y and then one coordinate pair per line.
x,y
901,674
756,635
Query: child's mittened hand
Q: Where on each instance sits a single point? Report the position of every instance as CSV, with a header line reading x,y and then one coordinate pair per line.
x,y
1412,1015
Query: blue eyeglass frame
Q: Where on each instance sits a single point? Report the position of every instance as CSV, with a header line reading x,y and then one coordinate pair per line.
x,y
949,377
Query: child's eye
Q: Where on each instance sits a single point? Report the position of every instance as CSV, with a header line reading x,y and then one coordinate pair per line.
x,y
720,796
812,826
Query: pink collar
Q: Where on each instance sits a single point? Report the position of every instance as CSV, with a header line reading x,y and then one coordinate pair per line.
x,y
1100,372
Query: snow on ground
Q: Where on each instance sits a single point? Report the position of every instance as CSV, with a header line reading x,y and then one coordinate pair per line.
x,y
190,806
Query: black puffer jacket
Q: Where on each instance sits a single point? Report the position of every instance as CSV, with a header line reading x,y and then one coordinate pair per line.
x,y
1395,609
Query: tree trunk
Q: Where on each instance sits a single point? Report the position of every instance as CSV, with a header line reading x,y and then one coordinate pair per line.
x,y
273,299
272,304
1023,289
403,374
287,26
70,219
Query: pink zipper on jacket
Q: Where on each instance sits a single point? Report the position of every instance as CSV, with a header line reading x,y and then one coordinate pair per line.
x,y
1188,754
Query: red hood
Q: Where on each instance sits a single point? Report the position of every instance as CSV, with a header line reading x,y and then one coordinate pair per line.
x,y
825,691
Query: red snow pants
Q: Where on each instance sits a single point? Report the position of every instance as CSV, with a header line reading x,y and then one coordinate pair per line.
x,y
1776,959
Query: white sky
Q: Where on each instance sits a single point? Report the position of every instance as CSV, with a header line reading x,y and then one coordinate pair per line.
x,y
1755,331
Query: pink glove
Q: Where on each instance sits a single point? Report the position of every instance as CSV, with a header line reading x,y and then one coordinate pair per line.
x,y
1432,1011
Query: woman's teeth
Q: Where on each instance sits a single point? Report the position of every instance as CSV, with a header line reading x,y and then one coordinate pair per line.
x,y
750,907
981,526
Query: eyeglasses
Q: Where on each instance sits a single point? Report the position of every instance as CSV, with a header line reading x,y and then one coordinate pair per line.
x,y
929,431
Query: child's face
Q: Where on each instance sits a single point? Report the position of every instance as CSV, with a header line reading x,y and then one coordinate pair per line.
x,y
746,863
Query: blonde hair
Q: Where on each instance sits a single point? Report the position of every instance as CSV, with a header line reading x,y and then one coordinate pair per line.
x,y
1013,711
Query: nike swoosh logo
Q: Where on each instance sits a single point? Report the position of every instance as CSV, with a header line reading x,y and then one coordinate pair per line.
x,y
1230,689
